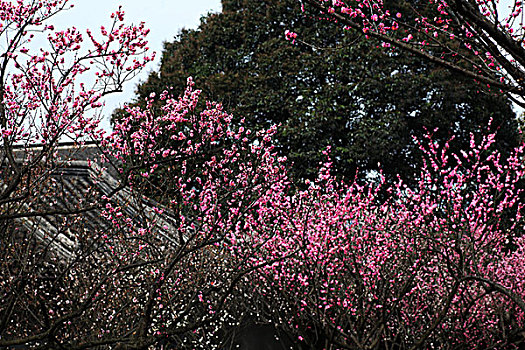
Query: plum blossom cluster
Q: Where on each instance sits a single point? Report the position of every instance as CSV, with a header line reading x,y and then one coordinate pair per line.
x,y
168,272
291,36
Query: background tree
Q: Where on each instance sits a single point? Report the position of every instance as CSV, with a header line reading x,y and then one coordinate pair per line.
x,y
339,90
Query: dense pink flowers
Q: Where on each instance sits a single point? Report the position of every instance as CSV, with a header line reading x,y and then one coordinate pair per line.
x,y
203,215
430,265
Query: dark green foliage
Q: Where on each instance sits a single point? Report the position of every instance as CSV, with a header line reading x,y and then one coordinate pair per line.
x,y
340,90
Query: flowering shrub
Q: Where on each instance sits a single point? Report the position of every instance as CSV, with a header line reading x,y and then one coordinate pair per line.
x,y
428,267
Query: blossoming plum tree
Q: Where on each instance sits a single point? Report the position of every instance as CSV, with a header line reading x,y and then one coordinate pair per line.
x,y
144,278
45,93
215,181
431,267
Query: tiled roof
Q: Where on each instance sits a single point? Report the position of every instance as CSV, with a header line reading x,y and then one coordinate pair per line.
x,y
79,184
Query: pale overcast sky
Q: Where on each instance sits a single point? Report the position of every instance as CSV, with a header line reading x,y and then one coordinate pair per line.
x,y
165,18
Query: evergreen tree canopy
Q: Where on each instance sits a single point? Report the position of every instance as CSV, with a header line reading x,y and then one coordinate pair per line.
x,y
338,90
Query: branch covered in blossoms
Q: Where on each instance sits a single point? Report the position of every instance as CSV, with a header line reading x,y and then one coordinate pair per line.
x,y
483,40
53,93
